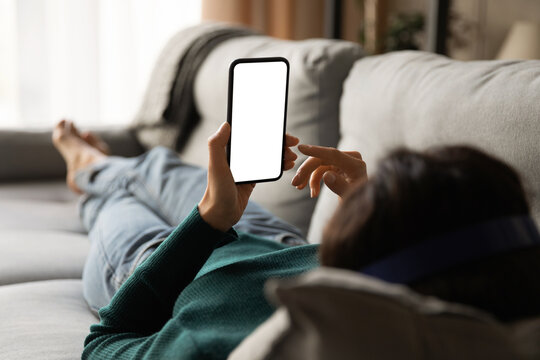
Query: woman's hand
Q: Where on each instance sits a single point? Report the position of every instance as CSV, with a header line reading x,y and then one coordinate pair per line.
x,y
289,156
224,201
340,170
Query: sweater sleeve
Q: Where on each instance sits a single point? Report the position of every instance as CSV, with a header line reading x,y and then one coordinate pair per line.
x,y
132,321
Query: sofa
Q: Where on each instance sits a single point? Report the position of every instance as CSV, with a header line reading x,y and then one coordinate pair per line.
x,y
338,97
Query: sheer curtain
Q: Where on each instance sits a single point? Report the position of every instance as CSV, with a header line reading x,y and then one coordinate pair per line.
x,y
88,60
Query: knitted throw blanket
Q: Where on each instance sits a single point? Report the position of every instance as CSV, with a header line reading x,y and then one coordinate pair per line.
x,y
168,114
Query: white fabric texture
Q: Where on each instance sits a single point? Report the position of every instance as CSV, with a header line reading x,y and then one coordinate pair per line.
x,y
39,206
41,235
419,100
41,255
43,320
338,314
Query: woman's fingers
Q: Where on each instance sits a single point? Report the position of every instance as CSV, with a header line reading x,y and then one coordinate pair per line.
x,y
331,156
336,168
336,182
289,155
290,140
288,165
349,162
346,166
354,154
315,180
303,173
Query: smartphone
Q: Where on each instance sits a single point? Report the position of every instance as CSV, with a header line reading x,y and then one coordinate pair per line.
x,y
257,113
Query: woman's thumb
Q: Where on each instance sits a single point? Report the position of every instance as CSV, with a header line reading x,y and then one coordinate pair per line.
x,y
217,145
335,182
221,136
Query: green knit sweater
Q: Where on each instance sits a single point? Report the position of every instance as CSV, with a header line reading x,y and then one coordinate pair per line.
x,y
196,297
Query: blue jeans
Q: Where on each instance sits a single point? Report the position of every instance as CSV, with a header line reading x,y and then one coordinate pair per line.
x,y
132,204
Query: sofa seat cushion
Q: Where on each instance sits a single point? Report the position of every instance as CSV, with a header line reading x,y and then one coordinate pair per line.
x,y
419,100
41,235
43,320
46,205
30,255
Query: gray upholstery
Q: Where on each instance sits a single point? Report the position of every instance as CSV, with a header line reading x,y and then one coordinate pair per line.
x,y
43,320
41,235
45,205
420,100
41,255
388,101
337,314
149,128
27,155
317,70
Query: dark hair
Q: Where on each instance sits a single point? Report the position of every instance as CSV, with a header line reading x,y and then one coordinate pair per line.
x,y
414,196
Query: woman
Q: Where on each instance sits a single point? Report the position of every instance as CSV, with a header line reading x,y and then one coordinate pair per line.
x,y
199,293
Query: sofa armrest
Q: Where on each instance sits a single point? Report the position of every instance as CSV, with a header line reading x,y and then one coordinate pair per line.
x,y
30,155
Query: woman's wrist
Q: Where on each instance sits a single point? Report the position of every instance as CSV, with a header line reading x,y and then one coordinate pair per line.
x,y
212,216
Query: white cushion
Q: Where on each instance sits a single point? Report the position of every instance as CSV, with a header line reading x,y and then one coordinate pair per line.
x,y
43,320
30,255
41,235
45,205
337,314
418,100
318,68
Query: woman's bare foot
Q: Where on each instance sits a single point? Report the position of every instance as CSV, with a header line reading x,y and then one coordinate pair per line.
x,y
93,140
78,152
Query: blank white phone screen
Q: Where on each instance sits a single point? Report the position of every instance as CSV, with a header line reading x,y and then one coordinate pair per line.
x,y
258,120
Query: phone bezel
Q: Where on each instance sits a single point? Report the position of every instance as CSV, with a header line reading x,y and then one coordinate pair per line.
x,y
229,109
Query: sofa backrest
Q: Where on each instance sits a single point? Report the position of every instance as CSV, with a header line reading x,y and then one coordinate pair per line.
x,y
318,68
30,155
418,100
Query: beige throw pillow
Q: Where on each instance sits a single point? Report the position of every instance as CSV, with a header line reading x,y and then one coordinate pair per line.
x,y
330,314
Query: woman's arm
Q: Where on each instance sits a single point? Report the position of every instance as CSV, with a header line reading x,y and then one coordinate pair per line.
x,y
144,303
137,323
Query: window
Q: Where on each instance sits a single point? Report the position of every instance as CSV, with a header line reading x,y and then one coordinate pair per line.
x,y
86,60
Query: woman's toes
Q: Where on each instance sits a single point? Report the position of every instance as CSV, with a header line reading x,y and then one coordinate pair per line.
x,y
72,128
59,132
60,124
93,140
